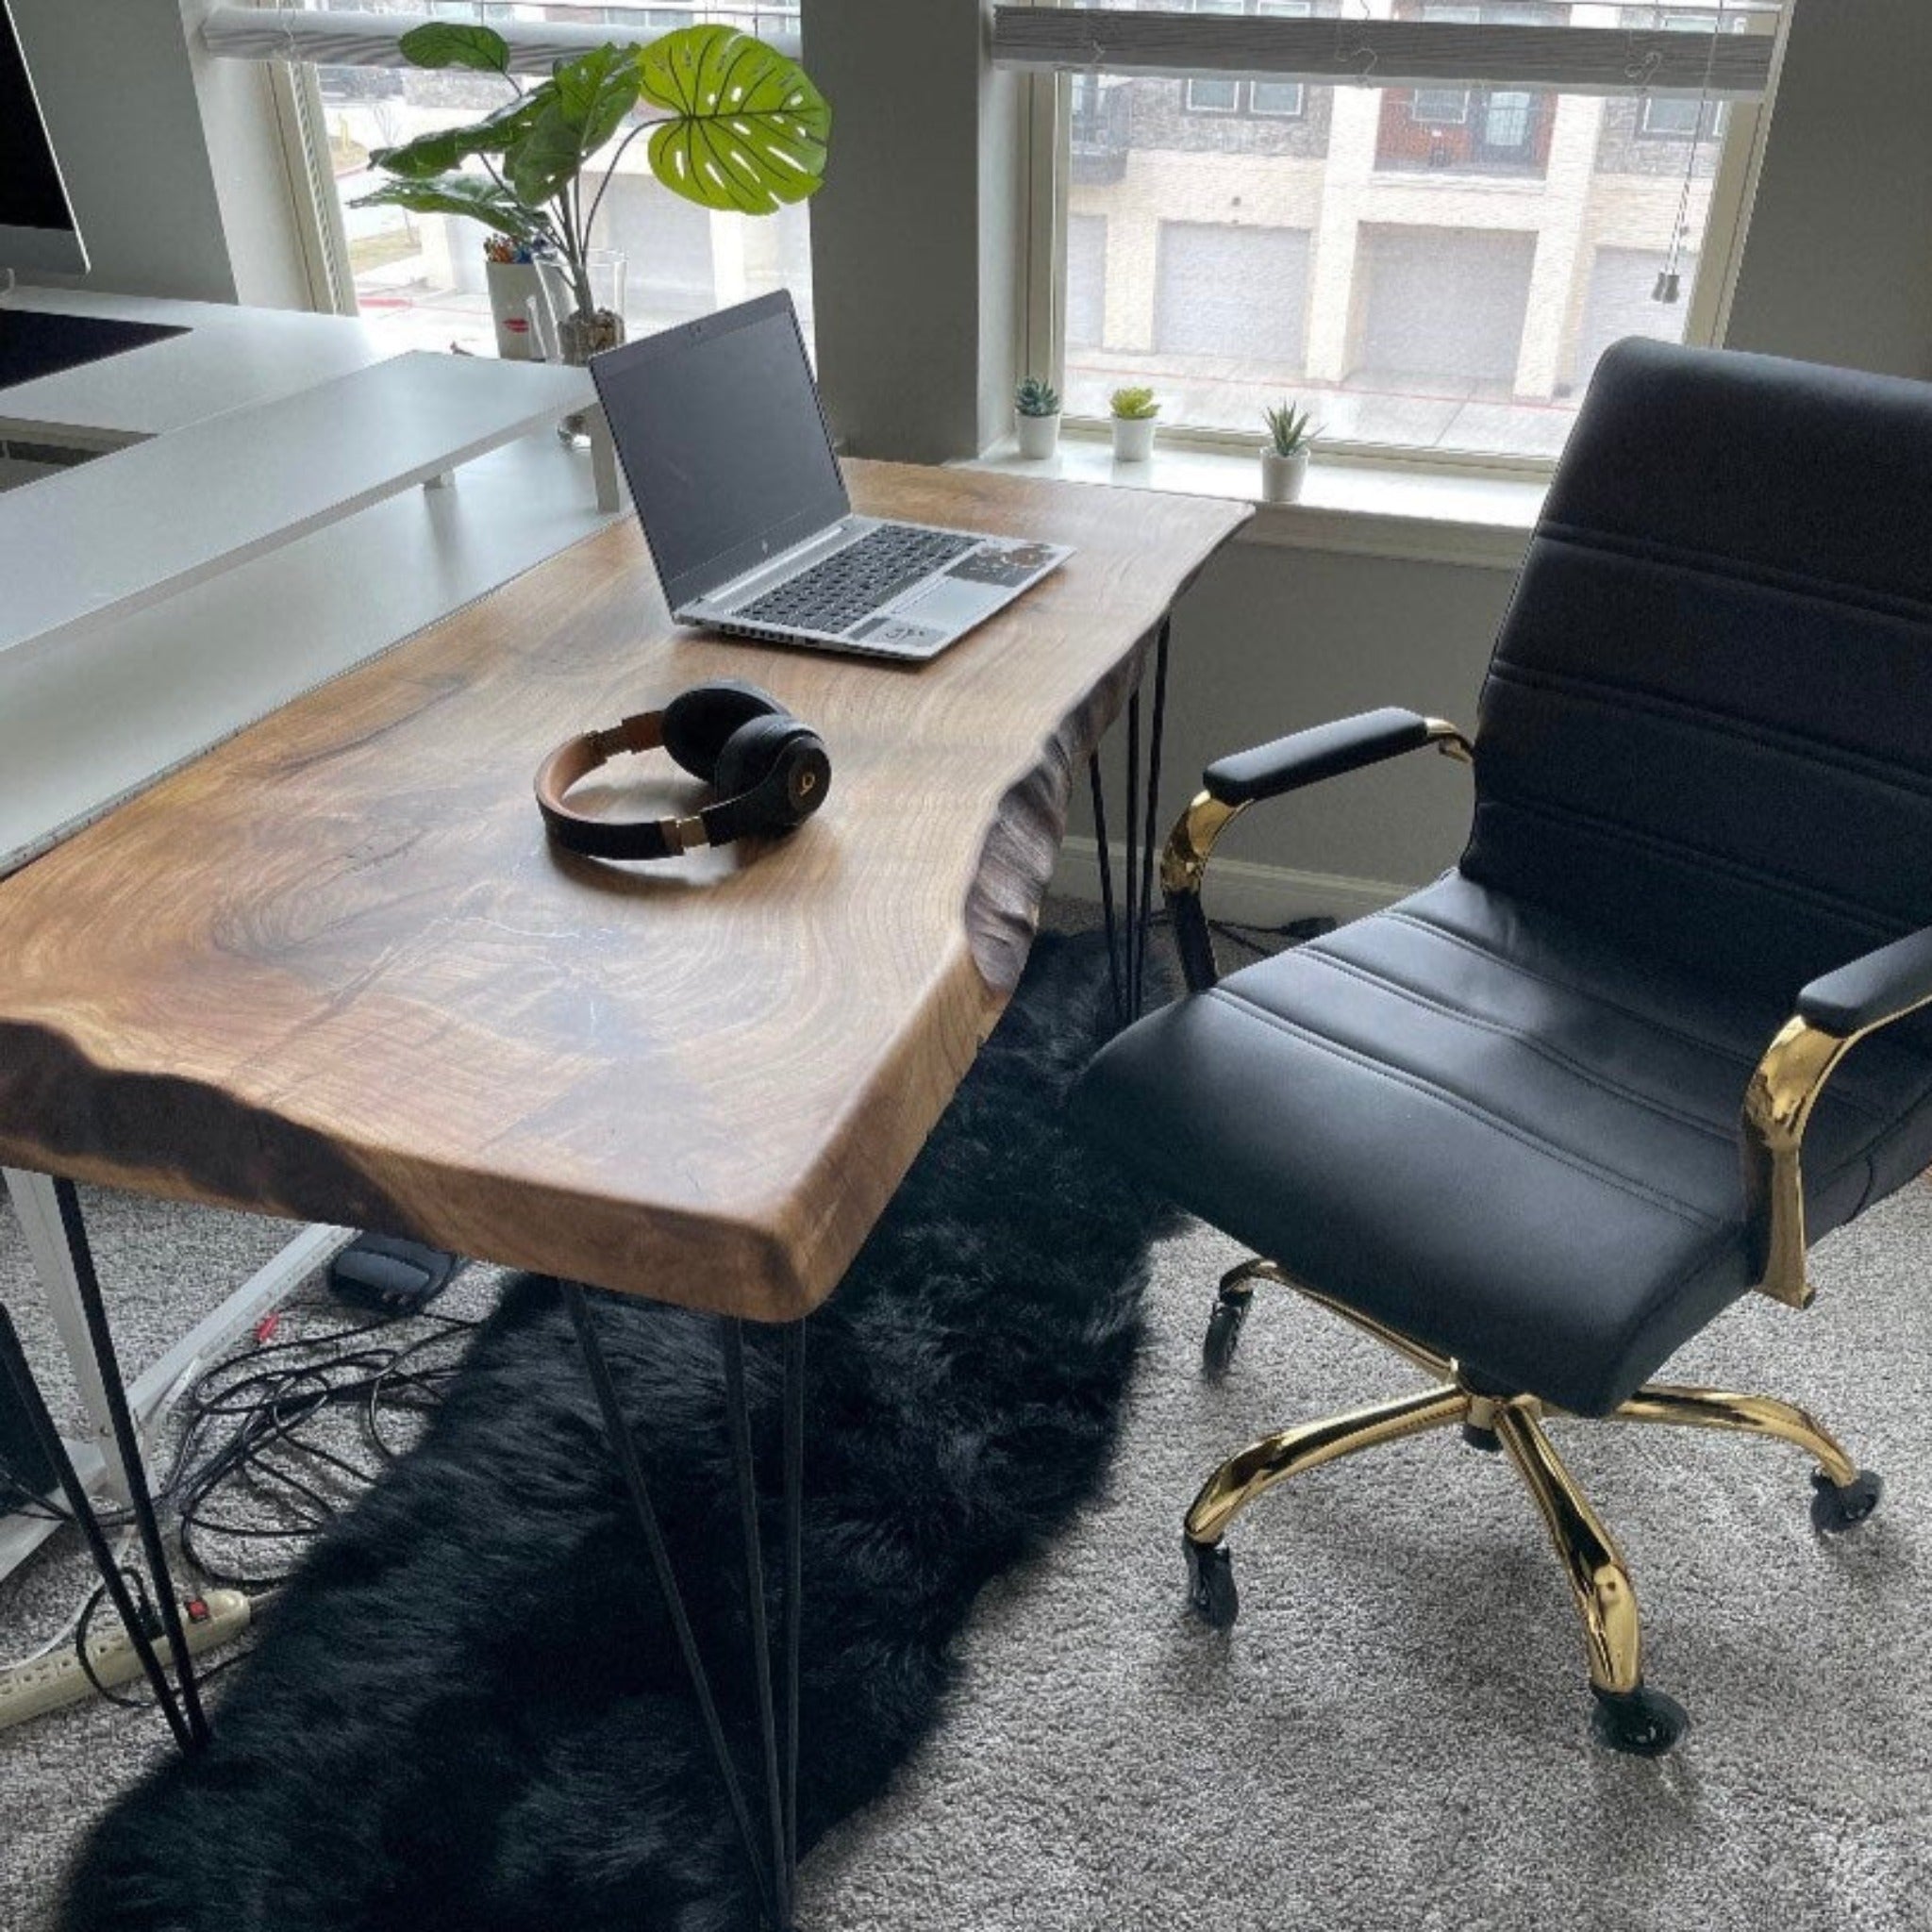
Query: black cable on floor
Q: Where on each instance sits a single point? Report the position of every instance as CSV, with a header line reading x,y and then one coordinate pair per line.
x,y
252,1422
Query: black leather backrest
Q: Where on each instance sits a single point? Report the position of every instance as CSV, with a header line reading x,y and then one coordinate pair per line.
x,y
1707,724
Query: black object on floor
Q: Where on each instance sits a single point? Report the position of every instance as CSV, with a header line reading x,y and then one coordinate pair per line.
x,y
36,343
459,1716
25,1474
390,1276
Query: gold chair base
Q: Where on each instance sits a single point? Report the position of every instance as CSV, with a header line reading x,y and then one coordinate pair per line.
x,y
1599,1578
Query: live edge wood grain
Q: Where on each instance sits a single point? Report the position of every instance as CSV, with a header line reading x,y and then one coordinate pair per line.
x,y
334,971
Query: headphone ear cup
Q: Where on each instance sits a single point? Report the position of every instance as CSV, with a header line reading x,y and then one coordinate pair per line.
x,y
700,722
751,753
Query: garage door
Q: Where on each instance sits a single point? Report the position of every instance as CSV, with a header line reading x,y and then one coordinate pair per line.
x,y
1623,302
1225,290
1444,305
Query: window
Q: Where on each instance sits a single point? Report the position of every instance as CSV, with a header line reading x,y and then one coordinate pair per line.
x,y
422,280
1440,106
1434,265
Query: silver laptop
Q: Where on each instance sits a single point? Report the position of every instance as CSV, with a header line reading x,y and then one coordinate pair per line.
x,y
730,465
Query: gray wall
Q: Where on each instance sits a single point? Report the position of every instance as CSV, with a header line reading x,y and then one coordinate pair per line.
x,y
896,298
1838,265
1272,639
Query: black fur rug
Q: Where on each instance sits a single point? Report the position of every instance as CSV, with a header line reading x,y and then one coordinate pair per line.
x,y
468,1711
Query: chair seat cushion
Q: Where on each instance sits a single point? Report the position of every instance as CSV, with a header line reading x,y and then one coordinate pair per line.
x,y
1492,1129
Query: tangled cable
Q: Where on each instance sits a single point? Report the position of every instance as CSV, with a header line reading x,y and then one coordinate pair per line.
x,y
253,1420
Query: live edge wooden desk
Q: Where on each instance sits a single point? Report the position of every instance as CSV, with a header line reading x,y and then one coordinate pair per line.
x,y
333,971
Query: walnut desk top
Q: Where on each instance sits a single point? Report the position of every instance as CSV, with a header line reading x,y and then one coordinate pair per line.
x,y
333,970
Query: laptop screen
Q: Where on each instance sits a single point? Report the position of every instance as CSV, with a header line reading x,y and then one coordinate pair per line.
x,y
718,427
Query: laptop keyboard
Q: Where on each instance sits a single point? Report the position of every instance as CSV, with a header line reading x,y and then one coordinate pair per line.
x,y
857,580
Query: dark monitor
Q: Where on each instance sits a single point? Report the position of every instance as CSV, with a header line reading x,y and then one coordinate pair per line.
x,y
718,426
37,226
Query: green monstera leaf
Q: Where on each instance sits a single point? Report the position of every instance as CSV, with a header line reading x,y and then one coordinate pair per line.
x,y
747,128
445,148
443,44
576,111
457,195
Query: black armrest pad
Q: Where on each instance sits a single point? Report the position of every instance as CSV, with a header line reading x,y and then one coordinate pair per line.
x,y
1322,751
1870,990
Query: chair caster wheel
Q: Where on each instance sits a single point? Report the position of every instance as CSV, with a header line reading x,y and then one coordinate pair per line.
x,y
1485,1440
1211,1594
1224,1331
1642,1723
1836,1510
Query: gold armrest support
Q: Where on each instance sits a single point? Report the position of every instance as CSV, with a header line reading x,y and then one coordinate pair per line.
x,y
1777,1109
1191,845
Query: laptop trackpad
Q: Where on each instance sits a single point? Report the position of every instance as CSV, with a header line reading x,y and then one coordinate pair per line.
x,y
949,606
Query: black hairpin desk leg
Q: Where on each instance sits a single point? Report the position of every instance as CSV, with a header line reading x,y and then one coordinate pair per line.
x,y
1127,937
774,1867
183,1711
13,1359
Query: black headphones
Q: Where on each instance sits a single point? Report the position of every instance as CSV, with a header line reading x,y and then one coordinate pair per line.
x,y
771,773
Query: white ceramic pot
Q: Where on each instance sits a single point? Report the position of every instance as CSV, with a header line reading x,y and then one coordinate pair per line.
x,y
1040,436
1282,477
1133,439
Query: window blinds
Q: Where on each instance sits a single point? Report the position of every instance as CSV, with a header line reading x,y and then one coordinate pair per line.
x,y
1650,60
343,37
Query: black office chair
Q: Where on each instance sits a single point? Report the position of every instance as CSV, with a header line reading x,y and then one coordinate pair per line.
x,y
1539,1123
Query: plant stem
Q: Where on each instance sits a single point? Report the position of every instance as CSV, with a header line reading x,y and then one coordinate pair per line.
x,y
610,173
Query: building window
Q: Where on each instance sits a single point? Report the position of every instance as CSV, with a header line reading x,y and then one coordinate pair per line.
x,y
1405,259
1440,106
1214,96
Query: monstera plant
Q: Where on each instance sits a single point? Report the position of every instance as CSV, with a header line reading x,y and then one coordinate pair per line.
x,y
728,122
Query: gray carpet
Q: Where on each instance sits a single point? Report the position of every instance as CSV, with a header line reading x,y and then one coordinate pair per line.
x,y
1394,1735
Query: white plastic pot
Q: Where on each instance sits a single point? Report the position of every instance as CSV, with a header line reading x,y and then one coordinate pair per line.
x,y
1040,436
1133,439
1282,477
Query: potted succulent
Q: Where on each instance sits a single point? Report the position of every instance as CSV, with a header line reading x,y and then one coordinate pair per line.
x,y
730,124
1037,418
1134,411
1291,437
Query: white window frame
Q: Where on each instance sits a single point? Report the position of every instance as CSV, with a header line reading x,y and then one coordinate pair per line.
x,y
1298,112
1459,119
1196,106
1043,284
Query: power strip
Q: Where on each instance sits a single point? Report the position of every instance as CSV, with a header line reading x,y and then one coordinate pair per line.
x,y
47,1683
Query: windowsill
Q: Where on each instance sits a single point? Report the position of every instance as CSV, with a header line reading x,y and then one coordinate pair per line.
x,y
1419,511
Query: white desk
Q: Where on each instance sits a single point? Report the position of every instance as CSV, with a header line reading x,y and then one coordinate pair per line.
x,y
230,358
132,528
